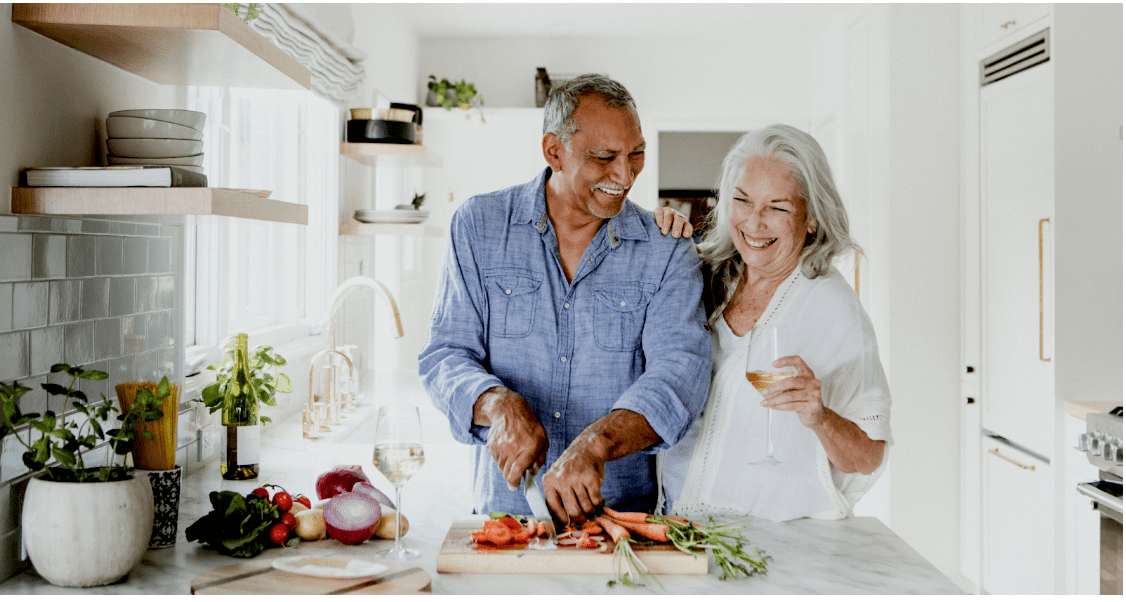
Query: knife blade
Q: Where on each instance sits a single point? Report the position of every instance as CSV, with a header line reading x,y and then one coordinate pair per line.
x,y
539,509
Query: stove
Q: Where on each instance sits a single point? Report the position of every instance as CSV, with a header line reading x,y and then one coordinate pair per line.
x,y
1103,444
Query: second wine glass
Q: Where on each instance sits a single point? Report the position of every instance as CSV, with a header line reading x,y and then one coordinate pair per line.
x,y
398,455
769,344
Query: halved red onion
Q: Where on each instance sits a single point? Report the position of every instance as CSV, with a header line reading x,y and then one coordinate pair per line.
x,y
369,489
352,518
339,480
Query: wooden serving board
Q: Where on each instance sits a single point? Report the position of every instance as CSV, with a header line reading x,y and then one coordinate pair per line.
x,y
459,554
257,576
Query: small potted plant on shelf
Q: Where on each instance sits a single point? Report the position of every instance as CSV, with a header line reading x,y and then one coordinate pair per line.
x,y
449,95
68,501
242,381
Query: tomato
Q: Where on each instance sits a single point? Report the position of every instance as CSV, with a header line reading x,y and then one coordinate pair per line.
x,y
261,492
301,498
279,533
289,520
283,501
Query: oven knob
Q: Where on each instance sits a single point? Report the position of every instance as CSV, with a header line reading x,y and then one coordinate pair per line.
x,y
1096,447
1084,442
1112,453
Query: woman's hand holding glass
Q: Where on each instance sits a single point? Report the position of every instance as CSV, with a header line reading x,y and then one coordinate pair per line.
x,y
801,393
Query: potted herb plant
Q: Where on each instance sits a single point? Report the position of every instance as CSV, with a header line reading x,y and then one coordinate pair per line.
x,y
242,382
82,525
449,95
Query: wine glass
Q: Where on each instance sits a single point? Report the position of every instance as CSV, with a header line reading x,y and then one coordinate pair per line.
x,y
398,455
769,346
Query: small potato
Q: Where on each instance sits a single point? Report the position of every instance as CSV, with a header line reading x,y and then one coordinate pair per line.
x,y
386,529
311,524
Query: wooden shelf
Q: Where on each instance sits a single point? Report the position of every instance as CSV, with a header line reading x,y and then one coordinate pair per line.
x,y
180,44
367,152
362,229
155,201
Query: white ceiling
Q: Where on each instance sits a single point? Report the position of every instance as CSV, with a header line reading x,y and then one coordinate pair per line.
x,y
472,20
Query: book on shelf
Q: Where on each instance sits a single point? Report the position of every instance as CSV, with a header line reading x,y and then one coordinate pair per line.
x,y
114,176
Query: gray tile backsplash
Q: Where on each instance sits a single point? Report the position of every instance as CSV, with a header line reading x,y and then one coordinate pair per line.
x,y
109,256
101,293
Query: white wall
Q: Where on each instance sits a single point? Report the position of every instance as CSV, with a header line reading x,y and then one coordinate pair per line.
x,y
924,300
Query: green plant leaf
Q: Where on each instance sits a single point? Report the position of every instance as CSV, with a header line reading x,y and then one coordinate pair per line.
x,y
93,375
79,395
284,385
59,368
74,371
163,389
55,389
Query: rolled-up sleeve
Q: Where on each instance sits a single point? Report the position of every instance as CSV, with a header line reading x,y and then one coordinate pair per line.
x,y
450,364
672,390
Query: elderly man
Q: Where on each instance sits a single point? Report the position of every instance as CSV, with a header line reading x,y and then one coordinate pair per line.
x,y
567,333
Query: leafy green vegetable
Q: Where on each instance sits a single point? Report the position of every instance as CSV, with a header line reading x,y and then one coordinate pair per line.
x,y
725,542
237,526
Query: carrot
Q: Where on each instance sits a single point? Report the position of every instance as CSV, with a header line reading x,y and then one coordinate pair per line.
x,y
653,531
541,528
511,523
628,517
613,529
591,527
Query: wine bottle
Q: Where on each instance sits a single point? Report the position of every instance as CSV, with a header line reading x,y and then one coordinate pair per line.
x,y
241,431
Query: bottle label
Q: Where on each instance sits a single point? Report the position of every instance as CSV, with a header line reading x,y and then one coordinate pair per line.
x,y
249,442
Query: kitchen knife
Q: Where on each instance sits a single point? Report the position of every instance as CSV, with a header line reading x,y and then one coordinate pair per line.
x,y
539,509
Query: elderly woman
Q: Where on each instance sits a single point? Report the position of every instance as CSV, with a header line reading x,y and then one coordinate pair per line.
x,y
768,249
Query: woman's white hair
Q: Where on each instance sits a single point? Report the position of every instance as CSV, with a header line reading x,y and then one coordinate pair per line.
x,y
810,167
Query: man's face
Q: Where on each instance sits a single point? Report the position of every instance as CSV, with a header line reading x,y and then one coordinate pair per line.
x,y
606,155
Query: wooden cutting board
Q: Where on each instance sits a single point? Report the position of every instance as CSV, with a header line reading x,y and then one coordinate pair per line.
x,y
257,576
460,555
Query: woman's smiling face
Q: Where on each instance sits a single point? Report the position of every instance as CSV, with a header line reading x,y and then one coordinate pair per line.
x,y
768,218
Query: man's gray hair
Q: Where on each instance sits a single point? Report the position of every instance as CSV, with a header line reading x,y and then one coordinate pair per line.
x,y
810,167
564,98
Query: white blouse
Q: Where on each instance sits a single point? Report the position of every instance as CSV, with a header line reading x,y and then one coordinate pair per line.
x,y
713,469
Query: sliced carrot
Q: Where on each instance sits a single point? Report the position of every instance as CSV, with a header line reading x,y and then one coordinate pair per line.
x,y
591,527
653,531
613,529
541,528
510,522
628,517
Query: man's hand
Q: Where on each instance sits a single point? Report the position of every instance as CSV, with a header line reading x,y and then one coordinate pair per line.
x,y
573,485
516,440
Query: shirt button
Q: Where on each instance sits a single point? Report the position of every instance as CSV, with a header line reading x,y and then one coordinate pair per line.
x,y
557,414
508,291
622,304
590,260
566,306
563,359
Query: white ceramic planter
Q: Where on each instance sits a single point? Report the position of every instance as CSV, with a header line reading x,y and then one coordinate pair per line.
x,y
86,534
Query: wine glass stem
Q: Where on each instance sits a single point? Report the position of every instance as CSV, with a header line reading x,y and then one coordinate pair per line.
x,y
769,437
398,517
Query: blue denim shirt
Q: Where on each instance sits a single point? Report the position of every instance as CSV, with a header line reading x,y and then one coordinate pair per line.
x,y
627,333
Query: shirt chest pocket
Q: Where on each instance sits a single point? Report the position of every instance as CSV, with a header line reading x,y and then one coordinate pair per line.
x,y
512,301
619,314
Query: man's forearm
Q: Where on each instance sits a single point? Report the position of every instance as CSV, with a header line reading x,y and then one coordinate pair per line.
x,y
616,435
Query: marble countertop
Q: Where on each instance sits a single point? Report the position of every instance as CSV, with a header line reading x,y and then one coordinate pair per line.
x,y
850,556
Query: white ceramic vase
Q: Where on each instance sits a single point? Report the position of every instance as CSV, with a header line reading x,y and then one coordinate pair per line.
x,y
86,534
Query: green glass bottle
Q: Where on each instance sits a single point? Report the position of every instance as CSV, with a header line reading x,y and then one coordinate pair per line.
x,y
241,430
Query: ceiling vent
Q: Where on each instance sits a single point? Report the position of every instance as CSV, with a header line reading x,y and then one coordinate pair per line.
x,y
1023,55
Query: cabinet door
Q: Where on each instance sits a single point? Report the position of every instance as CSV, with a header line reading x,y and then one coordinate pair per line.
x,y
1017,194
1004,21
1018,542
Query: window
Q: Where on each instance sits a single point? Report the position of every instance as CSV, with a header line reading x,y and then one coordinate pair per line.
x,y
258,277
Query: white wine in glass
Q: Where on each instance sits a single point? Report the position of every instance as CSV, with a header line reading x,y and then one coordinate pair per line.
x,y
398,455
769,346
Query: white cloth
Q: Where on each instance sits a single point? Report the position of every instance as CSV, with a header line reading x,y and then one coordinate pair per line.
x,y
709,472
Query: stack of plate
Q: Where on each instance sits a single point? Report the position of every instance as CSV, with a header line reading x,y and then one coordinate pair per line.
x,y
395,216
156,137
397,125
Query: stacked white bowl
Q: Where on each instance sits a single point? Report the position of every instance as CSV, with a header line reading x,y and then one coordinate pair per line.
x,y
156,137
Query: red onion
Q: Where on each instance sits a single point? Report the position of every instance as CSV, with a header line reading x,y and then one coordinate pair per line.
x,y
339,480
370,489
352,518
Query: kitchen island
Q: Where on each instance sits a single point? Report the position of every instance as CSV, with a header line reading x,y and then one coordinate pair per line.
x,y
850,556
